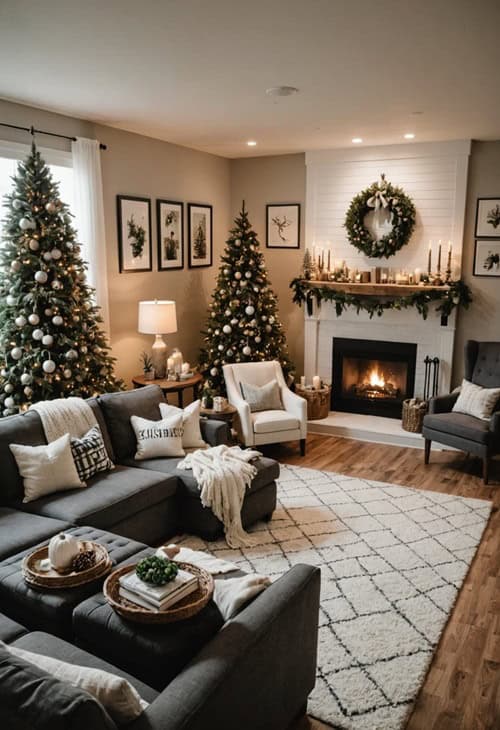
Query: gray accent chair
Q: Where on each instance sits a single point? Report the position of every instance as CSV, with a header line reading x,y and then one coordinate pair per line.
x,y
467,433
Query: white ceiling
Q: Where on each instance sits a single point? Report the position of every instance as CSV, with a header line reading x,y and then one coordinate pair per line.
x,y
195,72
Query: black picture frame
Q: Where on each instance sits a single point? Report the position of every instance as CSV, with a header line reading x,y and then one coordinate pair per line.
x,y
490,246
178,207
484,228
195,261
125,208
274,235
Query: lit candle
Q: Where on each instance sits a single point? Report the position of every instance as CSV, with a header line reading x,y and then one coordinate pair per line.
x,y
429,262
185,368
418,276
439,258
170,364
316,382
302,381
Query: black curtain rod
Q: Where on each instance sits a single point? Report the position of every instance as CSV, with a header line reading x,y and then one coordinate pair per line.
x,y
34,131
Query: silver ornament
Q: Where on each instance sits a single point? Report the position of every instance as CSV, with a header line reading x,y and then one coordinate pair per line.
x,y
8,388
47,340
71,355
56,254
57,320
41,277
9,402
20,321
213,372
247,350
48,366
248,274
33,244
16,353
33,318
249,310
227,329
47,256
25,379
50,207
67,373
37,334
25,224
17,204
15,265
10,300
48,312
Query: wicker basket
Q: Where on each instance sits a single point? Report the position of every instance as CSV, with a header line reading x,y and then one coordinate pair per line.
x,y
414,411
318,401
187,607
54,580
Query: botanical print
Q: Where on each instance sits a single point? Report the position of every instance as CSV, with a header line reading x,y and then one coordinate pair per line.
x,y
488,218
283,226
487,258
200,235
134,233
170,235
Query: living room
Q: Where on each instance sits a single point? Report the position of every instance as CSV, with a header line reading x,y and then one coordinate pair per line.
x,y
272,255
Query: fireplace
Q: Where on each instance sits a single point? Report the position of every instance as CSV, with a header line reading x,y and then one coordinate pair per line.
x,y
372,377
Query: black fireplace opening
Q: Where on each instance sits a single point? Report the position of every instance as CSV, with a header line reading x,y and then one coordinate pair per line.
x,y
372,377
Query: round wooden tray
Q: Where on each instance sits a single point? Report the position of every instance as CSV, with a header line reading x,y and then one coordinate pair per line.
x,y
55,580
187,607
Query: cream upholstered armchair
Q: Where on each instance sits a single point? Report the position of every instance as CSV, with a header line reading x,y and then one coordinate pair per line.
x,y
266,427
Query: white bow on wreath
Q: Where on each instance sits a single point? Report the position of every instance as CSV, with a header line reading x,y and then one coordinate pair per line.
x,y
378,199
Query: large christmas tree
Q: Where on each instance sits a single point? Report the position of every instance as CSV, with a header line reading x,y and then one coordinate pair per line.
x,y
244,324
51,343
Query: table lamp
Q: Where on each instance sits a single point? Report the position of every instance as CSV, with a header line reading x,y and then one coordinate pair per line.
x,y
158,318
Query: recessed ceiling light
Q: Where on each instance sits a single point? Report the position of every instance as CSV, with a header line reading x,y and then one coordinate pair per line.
x,y
356,140
409,135
252,143
282,90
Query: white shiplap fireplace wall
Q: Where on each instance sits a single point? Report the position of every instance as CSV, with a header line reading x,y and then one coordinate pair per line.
x,y
434,175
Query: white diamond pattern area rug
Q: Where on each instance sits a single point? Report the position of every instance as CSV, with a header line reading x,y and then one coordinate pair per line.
x,y
392,562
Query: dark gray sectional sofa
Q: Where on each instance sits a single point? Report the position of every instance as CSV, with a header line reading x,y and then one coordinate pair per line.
x,y
254,671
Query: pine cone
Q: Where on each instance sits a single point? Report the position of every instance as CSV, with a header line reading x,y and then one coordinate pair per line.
x,y
84,560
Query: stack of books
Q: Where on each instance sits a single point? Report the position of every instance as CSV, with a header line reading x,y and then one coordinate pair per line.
x,y
157,598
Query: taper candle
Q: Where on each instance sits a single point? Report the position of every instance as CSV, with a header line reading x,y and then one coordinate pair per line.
x,y
429,260
329,259
439,258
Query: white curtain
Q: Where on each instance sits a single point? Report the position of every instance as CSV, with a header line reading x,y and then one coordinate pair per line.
x,y
89,218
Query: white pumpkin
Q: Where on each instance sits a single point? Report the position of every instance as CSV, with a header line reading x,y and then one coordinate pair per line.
x,y
63,549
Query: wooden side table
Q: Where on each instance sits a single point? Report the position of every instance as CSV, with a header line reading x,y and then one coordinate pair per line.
x,y
172,386
227,415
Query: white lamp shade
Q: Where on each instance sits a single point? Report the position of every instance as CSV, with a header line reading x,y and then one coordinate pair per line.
x,y
157,317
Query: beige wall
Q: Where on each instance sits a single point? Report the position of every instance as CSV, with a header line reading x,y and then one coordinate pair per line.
x,y
280,179
482,320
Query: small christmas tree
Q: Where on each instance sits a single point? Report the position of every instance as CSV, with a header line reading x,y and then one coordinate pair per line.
x,y
244,325
51,344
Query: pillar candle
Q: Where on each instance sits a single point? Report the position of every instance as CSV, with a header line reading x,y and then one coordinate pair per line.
x,y
316,382
170,364
302,381
185,368
418,276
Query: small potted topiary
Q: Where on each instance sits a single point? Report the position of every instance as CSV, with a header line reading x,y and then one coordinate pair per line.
x,y
156,570
147,366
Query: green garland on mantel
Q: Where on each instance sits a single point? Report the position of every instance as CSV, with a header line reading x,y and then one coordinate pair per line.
x,y
456,294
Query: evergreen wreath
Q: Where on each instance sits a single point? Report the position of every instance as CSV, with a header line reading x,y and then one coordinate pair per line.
x,y
380,195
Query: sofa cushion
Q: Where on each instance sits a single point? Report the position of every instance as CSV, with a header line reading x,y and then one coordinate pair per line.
x,y
24,690
110,497
24,428
271,421
10,630
51,611
154,654
99,417
19,530
267,471
460,425
117,409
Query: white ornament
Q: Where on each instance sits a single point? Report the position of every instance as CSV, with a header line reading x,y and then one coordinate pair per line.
x,y
56,254
220,348
17,204
48,366
47,340
249,310
71,355
247,350
237,275
227,312
3,372
234,321
258,339
213,372
48,312
8,388
16,353
41,277
227,272
69,245
248,274
47,256
57,320
28,391
37,334
25,379
263,318
20,320
268,328
15,265
9,402
33,244
50,207
227,329
271,319
10,300
25,224
33,318
67,373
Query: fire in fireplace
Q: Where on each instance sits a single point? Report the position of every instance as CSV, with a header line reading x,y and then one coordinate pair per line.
x,y
372,377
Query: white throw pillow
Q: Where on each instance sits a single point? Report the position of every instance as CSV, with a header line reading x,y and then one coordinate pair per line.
x,y
158,438
192,438
118,697
476,401
262,398
46,469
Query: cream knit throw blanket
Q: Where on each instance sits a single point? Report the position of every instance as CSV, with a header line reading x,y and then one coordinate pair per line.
x,y
223,474
64,415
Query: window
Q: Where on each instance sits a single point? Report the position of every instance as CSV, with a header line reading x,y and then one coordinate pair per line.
x,y
59,163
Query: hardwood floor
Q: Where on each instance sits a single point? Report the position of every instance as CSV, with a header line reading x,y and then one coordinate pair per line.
x,y
462,688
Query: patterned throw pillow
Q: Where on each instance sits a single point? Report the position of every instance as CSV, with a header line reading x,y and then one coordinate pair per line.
x,y
476,401
262,398
90,455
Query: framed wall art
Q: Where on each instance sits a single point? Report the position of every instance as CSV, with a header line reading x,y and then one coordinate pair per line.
x,y
200,229
488,218
283,225
487,257
170,229
134,233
